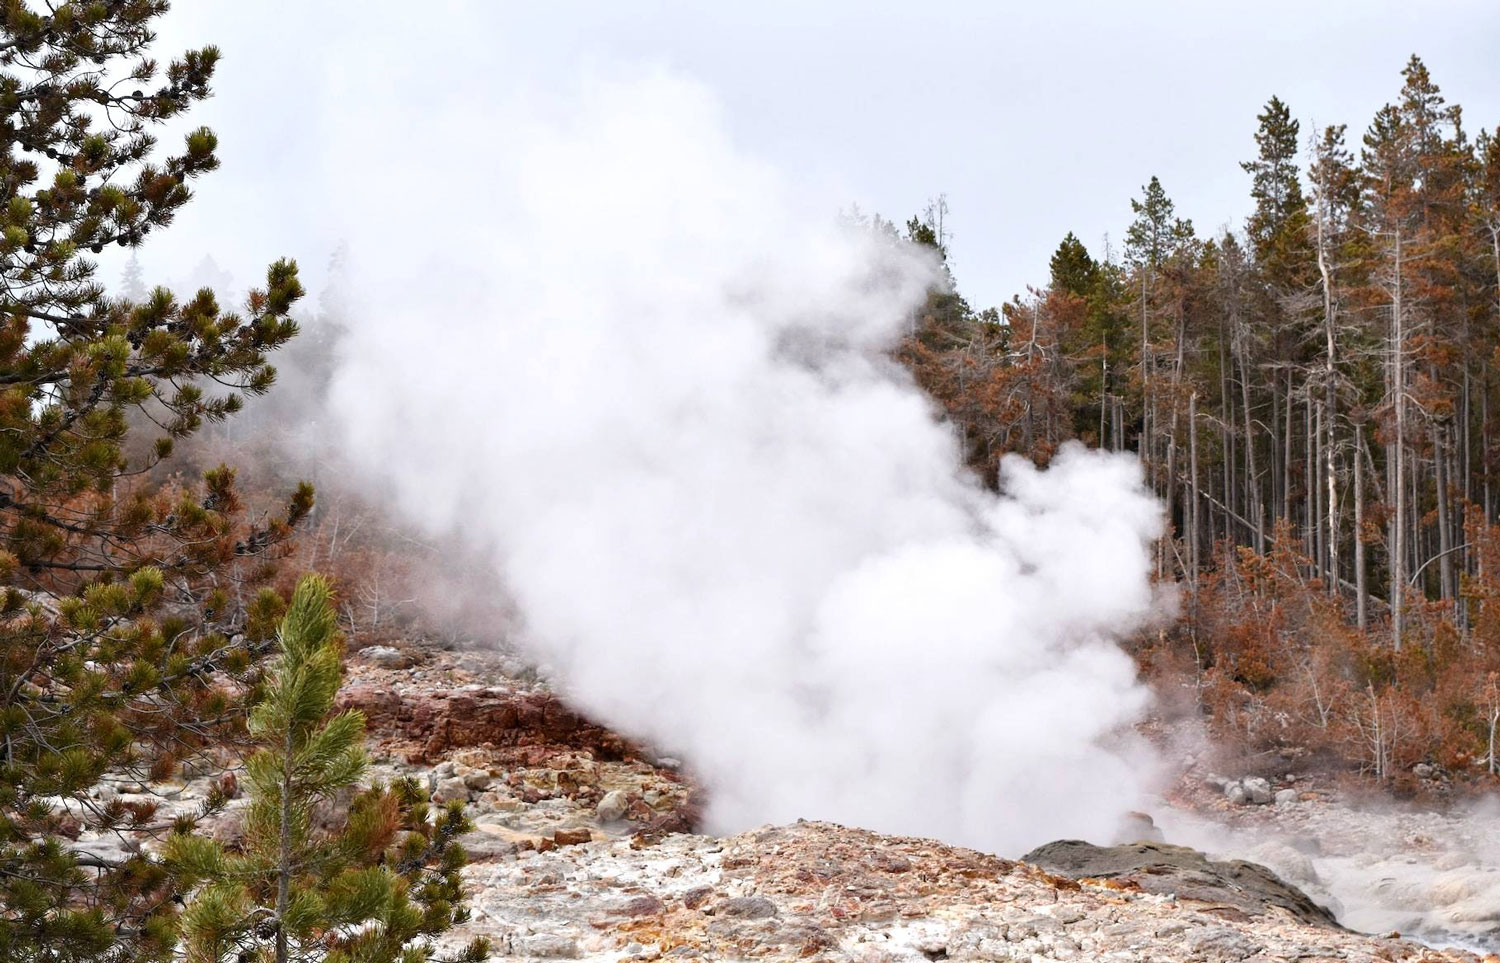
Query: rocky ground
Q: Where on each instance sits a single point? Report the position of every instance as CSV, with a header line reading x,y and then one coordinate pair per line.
x,y
583,848
579,853
1381,866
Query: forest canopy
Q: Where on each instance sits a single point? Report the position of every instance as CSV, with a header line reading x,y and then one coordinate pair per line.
x,y
1312,398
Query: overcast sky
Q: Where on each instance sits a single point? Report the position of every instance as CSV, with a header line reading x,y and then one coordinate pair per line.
x,y
1034,118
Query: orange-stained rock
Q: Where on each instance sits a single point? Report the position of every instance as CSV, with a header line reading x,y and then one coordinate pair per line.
x,y
572,837
432,723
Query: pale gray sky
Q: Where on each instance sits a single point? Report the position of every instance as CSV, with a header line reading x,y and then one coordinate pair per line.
x,y
1034,118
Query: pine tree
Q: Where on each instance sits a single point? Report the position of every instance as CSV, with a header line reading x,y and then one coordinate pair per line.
x,y
1073,269
1155,231
127,614
1150,240
1278,228
375,887
132,280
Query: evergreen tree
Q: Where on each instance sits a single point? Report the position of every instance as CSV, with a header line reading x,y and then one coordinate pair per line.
x,y
1155,231
1073,269
132,281
1388,172
1152,238
1278,228
126,614
375,887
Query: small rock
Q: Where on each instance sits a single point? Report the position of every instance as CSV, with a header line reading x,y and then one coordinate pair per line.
x,y
1423,771
696,896
642,905
1235,793
550,946
485,846
477,779
1286,797
748,908
451,789
385,656
668,762
572,837
197,767
501,802
1138,826
612,807
1220,943
105,793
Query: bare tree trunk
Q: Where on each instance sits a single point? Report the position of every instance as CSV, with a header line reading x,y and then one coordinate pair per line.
x,y
1484,445
1361,589
1312,499
1257,511
1330,398
1275,503
1226,423
1445,532
1315,448
1467,421
1398,481
1194,533
1103,388
1331,473
1286,454
1145,441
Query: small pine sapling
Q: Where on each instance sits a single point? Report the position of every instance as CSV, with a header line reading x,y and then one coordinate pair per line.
x,y
374,883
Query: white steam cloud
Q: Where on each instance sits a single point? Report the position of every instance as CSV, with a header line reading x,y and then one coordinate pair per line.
x,y
656,387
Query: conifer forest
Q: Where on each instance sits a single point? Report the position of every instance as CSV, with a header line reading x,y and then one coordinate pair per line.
x,y
1312,395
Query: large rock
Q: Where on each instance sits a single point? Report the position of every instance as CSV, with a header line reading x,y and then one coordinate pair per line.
x,y
1257,791
613,806
1239,886
385,656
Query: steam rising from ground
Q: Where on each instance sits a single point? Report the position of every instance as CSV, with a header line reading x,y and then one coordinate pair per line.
x,y
654,386
1434,876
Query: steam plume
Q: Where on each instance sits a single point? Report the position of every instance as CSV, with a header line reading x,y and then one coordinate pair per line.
x,y
657,391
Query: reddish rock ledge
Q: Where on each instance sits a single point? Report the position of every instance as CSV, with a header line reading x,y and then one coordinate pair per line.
x,y
426,724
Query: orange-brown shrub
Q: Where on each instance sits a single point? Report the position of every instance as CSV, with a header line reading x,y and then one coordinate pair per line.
x,y
1277,664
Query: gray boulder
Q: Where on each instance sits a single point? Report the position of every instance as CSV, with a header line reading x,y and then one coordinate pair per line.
x,y
1235,886
385,656
451,789
1257,791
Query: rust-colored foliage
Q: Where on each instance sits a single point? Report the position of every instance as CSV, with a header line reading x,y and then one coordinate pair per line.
x,y
1279,666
